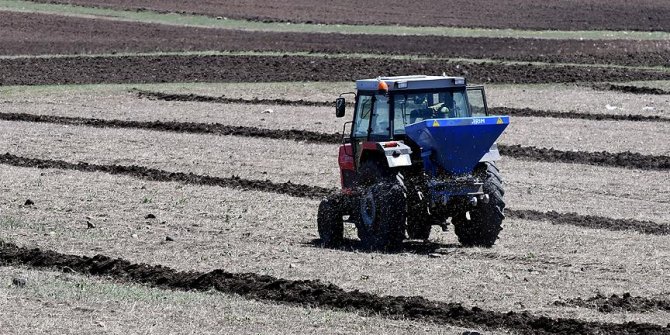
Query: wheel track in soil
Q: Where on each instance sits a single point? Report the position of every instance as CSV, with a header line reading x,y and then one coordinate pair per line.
x,y
154,95
313,293
620,159
317,193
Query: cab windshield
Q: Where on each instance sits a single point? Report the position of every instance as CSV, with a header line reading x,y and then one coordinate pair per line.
x,y
413,107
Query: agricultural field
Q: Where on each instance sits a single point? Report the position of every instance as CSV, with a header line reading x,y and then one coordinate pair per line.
x,y
162,163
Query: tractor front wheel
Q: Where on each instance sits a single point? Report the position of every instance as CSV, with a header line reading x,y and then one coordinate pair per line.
x,y
329,222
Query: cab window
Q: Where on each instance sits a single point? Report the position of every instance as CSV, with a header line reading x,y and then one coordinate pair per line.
x,y
380,119
362,118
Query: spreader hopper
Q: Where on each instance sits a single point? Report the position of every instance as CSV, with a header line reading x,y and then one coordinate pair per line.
x,y
457,144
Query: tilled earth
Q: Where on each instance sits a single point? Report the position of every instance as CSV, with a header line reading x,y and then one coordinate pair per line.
x,y
35,34
583,248
175,68
222,228
649,15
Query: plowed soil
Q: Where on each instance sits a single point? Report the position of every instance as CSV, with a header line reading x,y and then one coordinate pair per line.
x,y
33,34
648,15
154,69
313,294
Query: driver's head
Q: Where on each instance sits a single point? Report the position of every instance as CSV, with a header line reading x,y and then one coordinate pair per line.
x,y
420,99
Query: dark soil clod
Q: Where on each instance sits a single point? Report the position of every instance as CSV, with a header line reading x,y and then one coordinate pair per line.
x,y
29,203
150,216
19,282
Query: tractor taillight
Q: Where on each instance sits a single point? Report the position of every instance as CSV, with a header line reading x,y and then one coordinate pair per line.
x,y
390,144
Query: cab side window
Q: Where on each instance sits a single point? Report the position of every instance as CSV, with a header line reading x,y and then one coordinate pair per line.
x,y
363,114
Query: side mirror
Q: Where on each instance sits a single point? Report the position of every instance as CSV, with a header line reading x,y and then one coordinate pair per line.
x,y
340,104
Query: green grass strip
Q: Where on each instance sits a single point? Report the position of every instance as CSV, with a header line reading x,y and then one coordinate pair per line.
x,y
211,22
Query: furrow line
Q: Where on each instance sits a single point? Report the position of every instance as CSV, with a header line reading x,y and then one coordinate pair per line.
x,y
315,192
590,221
146,173
621,159
618,304
154,95
313,293
630,89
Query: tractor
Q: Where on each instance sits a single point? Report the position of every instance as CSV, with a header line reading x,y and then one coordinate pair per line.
x,y
420,152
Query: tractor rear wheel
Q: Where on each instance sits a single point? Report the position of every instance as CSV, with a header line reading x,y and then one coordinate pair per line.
x,y
382,207
330,223
485,221
382,216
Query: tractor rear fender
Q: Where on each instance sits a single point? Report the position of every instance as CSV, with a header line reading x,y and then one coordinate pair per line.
x,y
393,153
492,155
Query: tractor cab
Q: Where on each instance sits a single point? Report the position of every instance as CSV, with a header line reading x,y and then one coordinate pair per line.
x,y
386,106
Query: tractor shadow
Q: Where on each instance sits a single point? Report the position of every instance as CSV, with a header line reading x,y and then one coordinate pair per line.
x,y
413,247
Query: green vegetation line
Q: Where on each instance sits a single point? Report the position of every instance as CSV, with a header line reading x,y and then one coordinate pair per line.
x,y
225,23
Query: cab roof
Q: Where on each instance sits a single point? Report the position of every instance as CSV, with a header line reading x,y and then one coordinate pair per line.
x,y
417,82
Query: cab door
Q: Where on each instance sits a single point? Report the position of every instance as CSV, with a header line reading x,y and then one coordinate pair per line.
x,y
371,122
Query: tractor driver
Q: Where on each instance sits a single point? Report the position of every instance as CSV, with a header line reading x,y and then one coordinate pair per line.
x,y
435,111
